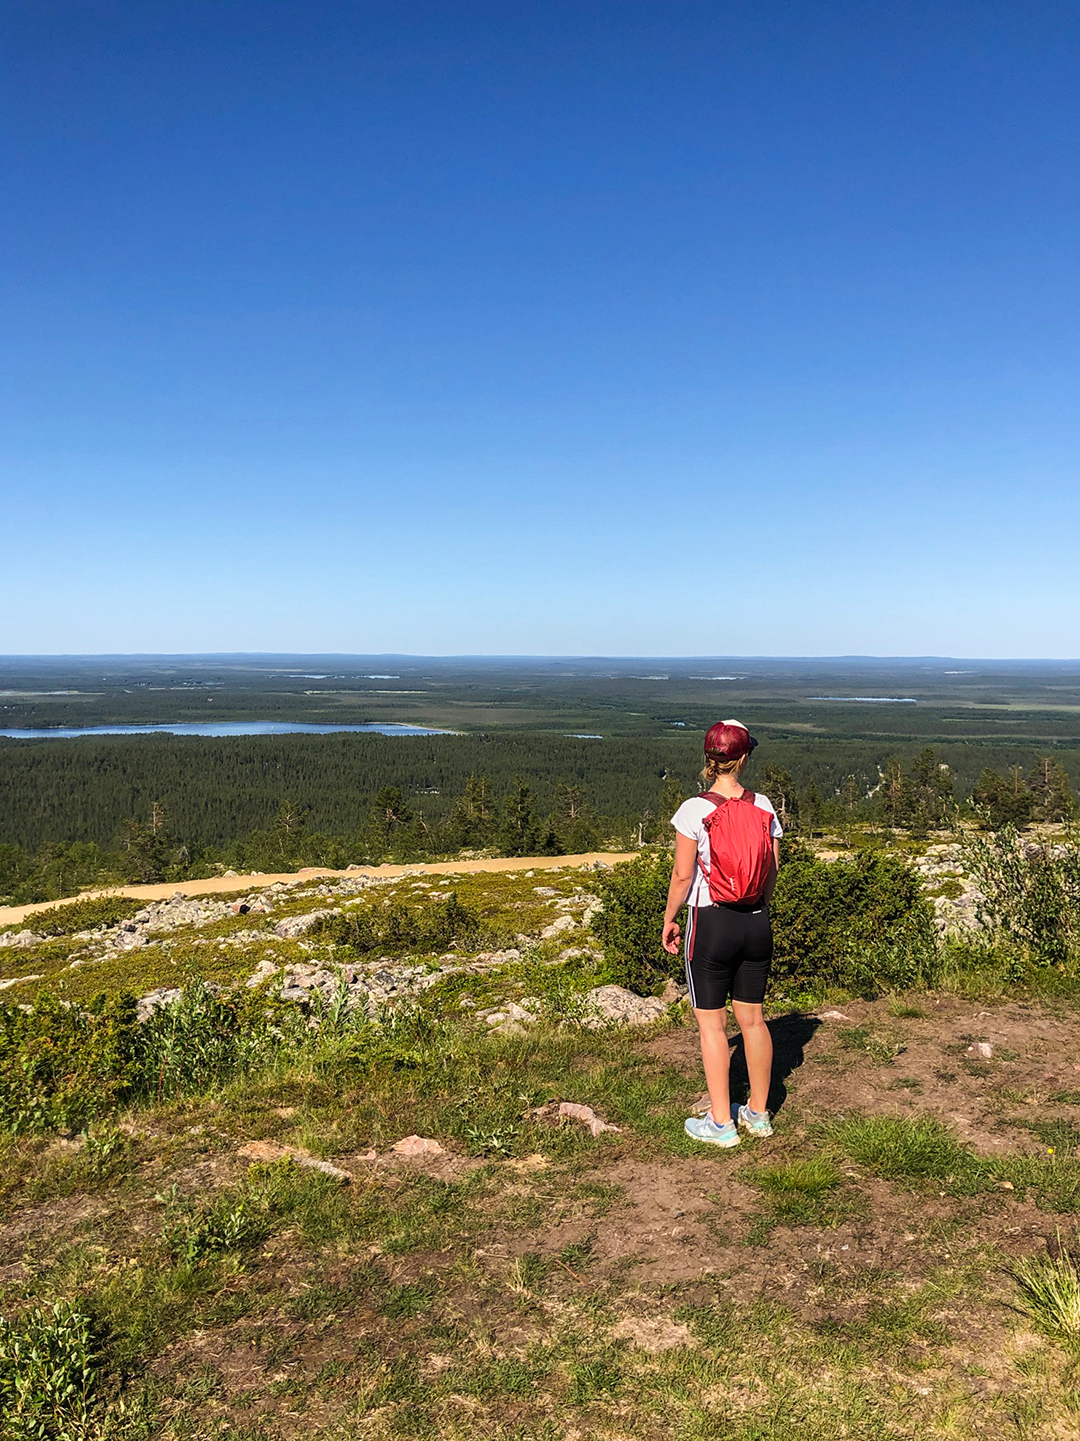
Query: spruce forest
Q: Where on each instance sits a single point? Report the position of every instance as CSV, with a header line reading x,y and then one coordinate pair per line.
x,y
542,758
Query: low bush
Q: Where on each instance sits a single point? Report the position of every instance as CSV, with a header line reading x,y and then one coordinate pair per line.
x,y
47,1375
62,1065
201,1039
629,926
76,916
863,924
398,929
1030,892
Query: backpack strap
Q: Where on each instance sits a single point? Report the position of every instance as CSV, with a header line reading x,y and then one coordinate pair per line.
x,y
716,800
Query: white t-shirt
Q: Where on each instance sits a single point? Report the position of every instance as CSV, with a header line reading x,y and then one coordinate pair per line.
x,y
688,819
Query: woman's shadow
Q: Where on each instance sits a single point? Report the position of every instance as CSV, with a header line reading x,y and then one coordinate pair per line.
x,y
790,1035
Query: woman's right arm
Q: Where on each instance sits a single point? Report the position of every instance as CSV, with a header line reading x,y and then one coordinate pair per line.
x,y
682,878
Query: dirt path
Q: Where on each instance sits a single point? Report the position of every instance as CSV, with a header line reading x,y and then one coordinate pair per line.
x,y
255,880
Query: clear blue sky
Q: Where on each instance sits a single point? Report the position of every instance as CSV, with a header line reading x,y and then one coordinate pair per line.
x,y
579,326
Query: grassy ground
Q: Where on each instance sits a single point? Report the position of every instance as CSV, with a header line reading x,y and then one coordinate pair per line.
x,y
862,1272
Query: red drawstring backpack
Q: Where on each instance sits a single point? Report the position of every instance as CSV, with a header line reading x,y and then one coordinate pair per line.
x,y
740,849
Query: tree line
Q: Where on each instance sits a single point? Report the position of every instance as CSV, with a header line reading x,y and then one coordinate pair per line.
x,y
513,817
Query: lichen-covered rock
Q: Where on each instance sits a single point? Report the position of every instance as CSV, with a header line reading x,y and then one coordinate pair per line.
x,y
509,1019
613,1005
20,939
262,972
293,926
564,923
154,1000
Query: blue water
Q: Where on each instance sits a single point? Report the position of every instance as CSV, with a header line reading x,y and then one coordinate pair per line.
x,y
218,728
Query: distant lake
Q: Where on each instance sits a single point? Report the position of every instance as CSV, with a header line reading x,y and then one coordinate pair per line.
x,y
219,728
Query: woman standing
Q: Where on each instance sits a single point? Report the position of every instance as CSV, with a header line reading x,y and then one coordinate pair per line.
x,y
727,852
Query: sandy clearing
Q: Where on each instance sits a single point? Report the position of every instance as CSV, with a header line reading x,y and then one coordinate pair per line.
x,y
254,881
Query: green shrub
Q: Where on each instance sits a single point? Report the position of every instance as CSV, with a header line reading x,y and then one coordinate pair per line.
x,y
47,1375
75,916
226,1222
62,1065
863,924
629,927
398,928
202,1038
1031,892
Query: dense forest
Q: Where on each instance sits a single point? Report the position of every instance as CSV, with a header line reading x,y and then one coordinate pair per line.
x,y
78,813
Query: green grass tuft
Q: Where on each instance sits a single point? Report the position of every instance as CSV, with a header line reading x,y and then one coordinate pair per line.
x,y
1049,1288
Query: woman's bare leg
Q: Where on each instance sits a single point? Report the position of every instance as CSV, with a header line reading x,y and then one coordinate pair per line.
x,y
712,1027
757,1043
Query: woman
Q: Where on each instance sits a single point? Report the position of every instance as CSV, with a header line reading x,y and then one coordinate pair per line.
x,y
728,941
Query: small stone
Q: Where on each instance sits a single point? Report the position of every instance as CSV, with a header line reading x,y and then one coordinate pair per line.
x,y
833,1016
154,1001
269,1151
239,908
417,1146
572,1111
230,874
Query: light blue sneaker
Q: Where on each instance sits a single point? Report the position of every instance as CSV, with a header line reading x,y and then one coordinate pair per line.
x,y
704,1128
757,1123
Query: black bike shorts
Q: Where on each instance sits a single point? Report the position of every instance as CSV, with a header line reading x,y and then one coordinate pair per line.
x,y
728,953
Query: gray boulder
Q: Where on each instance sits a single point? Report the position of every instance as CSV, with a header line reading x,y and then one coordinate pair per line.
x,y
612,1005
293,926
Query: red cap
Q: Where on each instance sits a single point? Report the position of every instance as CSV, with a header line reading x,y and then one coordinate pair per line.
x,y
728,740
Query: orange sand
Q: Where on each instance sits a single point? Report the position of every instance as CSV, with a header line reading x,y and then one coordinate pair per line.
x,y
12,915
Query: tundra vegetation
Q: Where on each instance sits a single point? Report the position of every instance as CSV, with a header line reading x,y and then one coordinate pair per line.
x,y
366,1158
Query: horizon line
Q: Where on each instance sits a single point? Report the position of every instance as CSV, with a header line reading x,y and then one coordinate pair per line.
x,y
512,656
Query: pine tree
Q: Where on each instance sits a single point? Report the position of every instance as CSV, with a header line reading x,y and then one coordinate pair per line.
x,y
894,793
1004,799
930,791
573,828
519,830
780,789
389,815
471,823
1048,782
